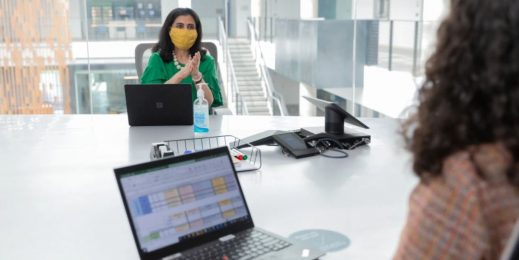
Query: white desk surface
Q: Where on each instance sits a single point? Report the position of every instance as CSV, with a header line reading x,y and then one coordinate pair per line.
x,y
59,198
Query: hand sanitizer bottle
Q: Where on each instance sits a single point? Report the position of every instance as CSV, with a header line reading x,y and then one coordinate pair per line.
x,y
200,112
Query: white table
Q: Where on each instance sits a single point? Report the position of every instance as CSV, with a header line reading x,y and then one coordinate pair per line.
x,y
59,198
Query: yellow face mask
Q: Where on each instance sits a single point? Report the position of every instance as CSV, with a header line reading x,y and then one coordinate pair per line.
x,y
183,38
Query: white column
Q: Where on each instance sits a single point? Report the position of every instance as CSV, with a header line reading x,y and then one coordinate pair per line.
x,y
242,11
255,8
167,6
305,107
184,3
309,9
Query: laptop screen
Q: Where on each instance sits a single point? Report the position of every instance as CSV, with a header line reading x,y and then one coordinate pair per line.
x,y
183,199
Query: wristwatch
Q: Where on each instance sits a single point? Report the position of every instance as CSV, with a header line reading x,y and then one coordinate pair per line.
x,y
199,79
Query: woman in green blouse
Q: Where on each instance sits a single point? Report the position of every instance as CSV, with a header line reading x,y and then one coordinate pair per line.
x,y
178,57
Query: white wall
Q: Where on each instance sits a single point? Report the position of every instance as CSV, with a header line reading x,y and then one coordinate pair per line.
x,y
166,6
405,9
75,7
308,9
289,9
305,107
344,9
364,9
404,13
240,11
256,7
435,10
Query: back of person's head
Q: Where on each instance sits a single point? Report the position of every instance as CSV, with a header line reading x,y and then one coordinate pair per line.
x,y
165,45
471,91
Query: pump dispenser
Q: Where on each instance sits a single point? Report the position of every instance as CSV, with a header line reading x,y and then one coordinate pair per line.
x,y
200,112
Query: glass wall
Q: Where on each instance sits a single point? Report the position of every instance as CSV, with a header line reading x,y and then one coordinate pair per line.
x,y
406,31
74,56
34,55
71,61
368,55
123,20
113,29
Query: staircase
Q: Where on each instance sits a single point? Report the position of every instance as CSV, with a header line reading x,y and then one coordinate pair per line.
x,y
248,77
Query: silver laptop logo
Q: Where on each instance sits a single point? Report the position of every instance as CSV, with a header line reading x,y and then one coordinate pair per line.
x,y
159,105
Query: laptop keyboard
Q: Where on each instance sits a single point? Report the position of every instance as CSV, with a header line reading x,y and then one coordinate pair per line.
x,y
246,245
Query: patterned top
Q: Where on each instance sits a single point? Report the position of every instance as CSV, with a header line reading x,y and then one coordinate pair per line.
x,y
466,213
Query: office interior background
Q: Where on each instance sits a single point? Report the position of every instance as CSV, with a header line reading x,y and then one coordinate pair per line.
x,y
75,56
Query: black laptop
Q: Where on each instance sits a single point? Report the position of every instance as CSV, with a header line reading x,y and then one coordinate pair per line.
x,y
160,104
192,207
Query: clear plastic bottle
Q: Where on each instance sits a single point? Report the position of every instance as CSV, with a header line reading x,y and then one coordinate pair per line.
x,y
200,112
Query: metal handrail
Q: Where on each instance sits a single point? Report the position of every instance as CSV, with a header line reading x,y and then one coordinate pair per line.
x,y
271,94
239,105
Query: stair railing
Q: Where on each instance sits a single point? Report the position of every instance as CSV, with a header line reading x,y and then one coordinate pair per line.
x,y
273,97
234,98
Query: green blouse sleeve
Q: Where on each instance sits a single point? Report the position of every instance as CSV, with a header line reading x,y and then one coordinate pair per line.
x,y
208,70
155,72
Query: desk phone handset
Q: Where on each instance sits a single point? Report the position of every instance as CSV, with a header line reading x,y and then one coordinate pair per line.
x,y
295,145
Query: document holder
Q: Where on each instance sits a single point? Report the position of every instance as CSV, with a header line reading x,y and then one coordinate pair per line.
x,y
248,157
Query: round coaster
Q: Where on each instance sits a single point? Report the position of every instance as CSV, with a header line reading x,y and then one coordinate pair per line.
x,y
325,240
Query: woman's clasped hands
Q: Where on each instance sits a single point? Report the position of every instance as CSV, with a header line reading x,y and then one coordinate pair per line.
x,y
191,68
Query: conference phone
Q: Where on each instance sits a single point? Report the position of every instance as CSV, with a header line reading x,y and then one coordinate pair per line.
x,y
295,145
303,142
310,141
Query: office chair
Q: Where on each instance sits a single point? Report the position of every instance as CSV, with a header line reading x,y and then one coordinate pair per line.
x,y
142,55
211,48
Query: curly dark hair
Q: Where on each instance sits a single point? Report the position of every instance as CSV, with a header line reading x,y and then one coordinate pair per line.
x,y
471,91
165,47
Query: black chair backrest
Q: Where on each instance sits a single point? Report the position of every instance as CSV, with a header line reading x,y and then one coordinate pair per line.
x,y
211,47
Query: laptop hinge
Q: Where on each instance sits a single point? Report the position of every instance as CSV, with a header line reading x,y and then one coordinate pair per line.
x,y
171,257
226,238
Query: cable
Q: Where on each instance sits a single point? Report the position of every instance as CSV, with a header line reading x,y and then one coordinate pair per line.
x,y
324,145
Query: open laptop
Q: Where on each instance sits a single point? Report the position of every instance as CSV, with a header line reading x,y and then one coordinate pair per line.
x,y
192,207
159,104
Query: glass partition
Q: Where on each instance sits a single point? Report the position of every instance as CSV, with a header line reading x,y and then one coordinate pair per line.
x,y
405,37
367,55
78,59
35,52
371,66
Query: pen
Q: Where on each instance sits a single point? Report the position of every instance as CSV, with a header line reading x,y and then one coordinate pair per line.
x,y
238,155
